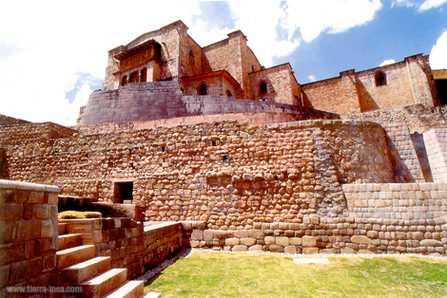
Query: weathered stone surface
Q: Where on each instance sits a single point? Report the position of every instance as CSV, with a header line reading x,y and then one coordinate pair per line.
x,y
431,242
269,240
360,239
295,241
248,241
309,241
290,249
256,247
232,241
239,248
283,241
275,248
310,250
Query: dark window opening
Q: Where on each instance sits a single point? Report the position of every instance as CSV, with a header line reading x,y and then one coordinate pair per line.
x,y
263,88
124,81
225,158
143,75
380,78
134,77
123,191
163,149
441,88
228,93
203,89
252,68
213,143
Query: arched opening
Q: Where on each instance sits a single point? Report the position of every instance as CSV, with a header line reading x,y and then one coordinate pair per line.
x,y
228,93
124,81
203,89
380,78
143,75
263,88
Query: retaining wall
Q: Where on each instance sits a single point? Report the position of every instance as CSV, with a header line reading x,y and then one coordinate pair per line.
x,y
28,234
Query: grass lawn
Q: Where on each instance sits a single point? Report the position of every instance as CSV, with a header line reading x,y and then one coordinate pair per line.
x,y
242,275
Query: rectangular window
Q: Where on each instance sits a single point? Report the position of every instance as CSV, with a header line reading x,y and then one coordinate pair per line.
x,y
123,191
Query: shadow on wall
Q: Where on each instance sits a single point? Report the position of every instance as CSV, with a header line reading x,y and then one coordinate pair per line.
x,y
366,101
421,152
401,172
264,89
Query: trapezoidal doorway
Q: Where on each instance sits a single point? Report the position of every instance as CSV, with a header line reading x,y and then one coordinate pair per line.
x,y
122,191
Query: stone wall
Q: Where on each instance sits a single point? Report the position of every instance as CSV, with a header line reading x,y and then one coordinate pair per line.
x,y
436,146
33,131
229,174
28,234
404,128
8,121
382,218
338,95
130,244
280,84
401,201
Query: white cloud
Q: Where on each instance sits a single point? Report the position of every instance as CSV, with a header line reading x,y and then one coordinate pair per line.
x,y
422,6
388,61
58,40
311,78
429,4
438,55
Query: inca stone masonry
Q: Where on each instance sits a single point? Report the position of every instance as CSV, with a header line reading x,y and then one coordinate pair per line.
x,y
247,158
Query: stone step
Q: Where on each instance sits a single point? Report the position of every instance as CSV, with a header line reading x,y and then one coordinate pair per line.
x,y
80,272
68,240
152,295
104,283
73,255
131,289
62,228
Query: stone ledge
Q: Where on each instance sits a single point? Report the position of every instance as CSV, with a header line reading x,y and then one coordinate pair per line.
x,y
10,184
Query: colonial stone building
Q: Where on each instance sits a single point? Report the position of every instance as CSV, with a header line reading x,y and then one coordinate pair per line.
x,y
229,68
225,68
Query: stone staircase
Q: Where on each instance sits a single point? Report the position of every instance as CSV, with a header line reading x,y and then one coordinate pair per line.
x,y
78,265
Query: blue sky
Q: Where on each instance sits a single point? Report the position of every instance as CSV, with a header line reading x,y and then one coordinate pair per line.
x,y
54,53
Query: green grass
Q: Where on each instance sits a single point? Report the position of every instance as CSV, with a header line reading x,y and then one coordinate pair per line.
x,y
242,275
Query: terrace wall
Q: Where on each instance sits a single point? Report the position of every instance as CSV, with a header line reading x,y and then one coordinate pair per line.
x,y
228,174
381,218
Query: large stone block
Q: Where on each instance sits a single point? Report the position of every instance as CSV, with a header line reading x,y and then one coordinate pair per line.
x,y
360,239
197,235
309,241
239,248
290,249
284,241
248,241
269,240
431,242
232,241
